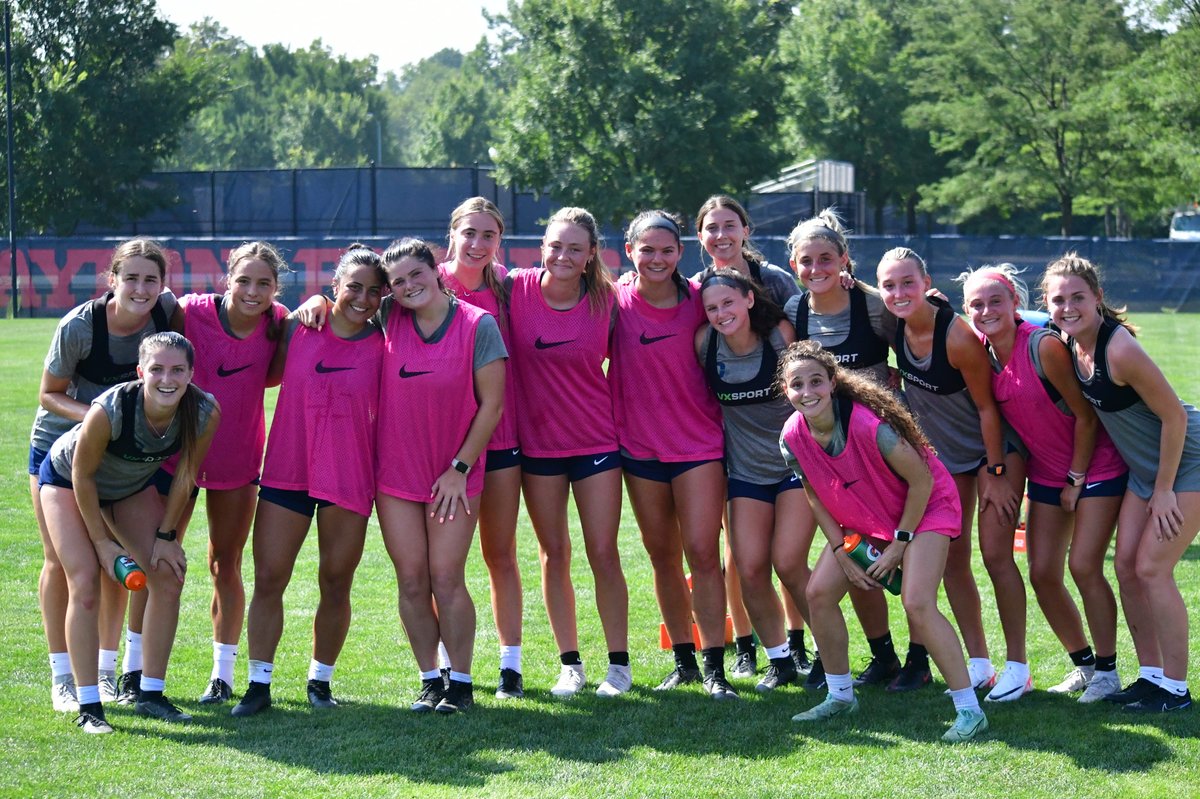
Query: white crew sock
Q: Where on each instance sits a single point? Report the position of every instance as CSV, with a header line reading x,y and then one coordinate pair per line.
x,y
443,657
260,671
224,658
510,658
458,676
965,699
153,684
319,671
781,651
60,664
841,686
107,661
88,694
133,652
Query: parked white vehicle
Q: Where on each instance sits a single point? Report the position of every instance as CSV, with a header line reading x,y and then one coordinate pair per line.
x,y
1185,226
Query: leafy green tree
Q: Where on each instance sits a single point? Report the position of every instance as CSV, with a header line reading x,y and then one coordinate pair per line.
x,y
621,104
848,86
99,98
1005,95
279,107
463,112
412,100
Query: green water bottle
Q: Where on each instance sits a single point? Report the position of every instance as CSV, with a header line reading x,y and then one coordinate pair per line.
x,y
129,574
864,555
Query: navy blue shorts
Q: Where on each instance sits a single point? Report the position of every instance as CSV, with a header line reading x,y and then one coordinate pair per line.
x,y
498,459
660,471
575,467
296,501
36,456
48,476
763,493
1050,495
162,479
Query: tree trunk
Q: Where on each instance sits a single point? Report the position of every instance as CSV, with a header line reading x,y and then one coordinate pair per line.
x,y
910,213
1066,205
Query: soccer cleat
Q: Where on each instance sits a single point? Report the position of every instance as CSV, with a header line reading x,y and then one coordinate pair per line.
x,y
107,683
618,680
256,699
782,671
570,680
62,694
800,658
680,676
155,705
967,725
877,673
745,665
129,687
1134,692
320,694
512,685
718,687
91,720
1161,701
432,692
913,674
1010,686
1076,680
828,709
218,691
981,676
459,697
1102,685
816,675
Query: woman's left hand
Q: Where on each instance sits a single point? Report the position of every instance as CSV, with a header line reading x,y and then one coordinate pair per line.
x,y
170,553
881,570
1166,519
448,489
995,490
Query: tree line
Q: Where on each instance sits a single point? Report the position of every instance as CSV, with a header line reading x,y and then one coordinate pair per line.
x,y
1017,116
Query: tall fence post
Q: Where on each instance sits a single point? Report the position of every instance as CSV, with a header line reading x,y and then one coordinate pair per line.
x,y
14,304
374,205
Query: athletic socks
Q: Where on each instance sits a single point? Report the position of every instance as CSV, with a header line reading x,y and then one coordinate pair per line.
x,y
510,658
781,651
744,644
152,684
714,660
1152,673
431,675
1175,687
1083,657
224,658
260,671
107,661
320,671
1106,663
685,656
841,686
618,658
443,657
88,694
882,648
60,664
133,652
965,699
570,658
917,653
795,639
458,676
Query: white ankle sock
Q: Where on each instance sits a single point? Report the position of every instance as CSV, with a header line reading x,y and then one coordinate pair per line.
x,y
224,658
319,671
841,686
260,671
510,658
781,651
107,660
133,652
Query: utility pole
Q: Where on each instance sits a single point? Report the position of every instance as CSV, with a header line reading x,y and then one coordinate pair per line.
x,y
13,307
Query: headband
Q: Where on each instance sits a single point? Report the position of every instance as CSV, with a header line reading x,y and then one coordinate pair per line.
x,y
655,220
1000,277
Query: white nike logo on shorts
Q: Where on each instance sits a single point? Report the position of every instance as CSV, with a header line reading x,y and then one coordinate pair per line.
x,y
599,461
1090,486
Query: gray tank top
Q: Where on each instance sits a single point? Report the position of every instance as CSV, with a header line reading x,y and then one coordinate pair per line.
x,y
118,478
950,420
752,431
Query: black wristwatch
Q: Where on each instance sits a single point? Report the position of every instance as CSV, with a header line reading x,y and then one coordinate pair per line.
x,y
1072,480
904,536
169,535
462,467
996,469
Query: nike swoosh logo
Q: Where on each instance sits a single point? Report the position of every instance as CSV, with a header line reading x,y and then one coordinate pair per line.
x,y
405,373
322,369
545,345
223,372
1090,486
598,461
651,339
849,483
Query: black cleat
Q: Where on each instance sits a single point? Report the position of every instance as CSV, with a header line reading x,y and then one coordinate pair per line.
x,y
680,676
718,687
782,671
129,687
432,692
460,696
320,695
155,705
877,673
91,719
218,691
1136,691
914,674
512,685
1161,701
256,699
800,658
816,675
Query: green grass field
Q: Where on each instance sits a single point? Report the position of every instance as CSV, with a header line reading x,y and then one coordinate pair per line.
x,y
644,744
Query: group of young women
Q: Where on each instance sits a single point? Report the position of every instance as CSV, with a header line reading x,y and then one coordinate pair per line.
x,y
460,386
